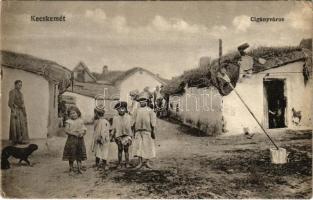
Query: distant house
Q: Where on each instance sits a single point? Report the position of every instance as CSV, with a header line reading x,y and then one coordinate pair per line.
x,y
276,84
82,74
132,79
113,85
86,94
43,81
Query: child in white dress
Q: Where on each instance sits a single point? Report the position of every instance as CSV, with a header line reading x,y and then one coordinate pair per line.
x,y
144,121
101,139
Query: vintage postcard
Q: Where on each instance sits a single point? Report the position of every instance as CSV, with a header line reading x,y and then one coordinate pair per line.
x,y
156,99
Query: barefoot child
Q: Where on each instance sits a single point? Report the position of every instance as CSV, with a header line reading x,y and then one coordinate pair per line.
x,y
75,145
144,120
122,132
101,139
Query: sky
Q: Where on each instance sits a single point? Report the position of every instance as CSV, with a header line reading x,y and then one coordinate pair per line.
x,y
164,37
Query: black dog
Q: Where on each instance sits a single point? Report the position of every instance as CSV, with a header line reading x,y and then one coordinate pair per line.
x,y
16,152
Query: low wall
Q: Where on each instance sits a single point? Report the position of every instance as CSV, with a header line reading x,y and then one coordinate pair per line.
x,y
199,108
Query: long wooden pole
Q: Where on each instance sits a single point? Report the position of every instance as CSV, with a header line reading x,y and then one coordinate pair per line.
x,y
231,85
254,116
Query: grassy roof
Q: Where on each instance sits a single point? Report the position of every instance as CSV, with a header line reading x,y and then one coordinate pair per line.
x,y
50,70
206,76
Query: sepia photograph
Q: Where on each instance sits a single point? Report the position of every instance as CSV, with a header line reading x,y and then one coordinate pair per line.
x,y
156,99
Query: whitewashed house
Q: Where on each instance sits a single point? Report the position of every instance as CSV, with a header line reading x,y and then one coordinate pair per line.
x,y
278,84
86,94
43,81
86,105
113,85
275,83
133,79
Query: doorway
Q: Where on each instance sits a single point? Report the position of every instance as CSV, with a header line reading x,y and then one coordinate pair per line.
x,y
275,97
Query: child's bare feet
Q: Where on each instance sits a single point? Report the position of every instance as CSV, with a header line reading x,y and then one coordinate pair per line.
x,y
79,171
71,172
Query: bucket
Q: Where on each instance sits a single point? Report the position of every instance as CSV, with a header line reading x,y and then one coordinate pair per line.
x,y
278,156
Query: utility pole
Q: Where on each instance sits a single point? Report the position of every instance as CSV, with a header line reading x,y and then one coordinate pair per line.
x,y
220,51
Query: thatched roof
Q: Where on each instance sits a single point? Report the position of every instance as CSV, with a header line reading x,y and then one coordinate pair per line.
x,y
207,76
94,89
108,77
306,43
50,70
117,76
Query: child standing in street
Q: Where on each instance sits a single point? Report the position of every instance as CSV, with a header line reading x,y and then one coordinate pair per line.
x,y
122,132
144,120
75,145
101,140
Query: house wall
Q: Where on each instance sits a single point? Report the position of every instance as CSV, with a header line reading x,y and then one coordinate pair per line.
x,y
299,96
85,104
199,108
36,98
53,122
139,80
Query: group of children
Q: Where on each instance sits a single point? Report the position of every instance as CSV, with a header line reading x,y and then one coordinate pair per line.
x,y
134,129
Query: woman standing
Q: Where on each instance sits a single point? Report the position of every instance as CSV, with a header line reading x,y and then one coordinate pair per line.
x,y
18,119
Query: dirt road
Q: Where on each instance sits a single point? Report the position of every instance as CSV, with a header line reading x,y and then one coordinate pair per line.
x,y
187,166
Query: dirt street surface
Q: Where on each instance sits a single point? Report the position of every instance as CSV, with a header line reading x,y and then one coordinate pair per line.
x,y
188,165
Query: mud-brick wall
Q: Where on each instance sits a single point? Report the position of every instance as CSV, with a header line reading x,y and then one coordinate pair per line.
x,y
199,108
